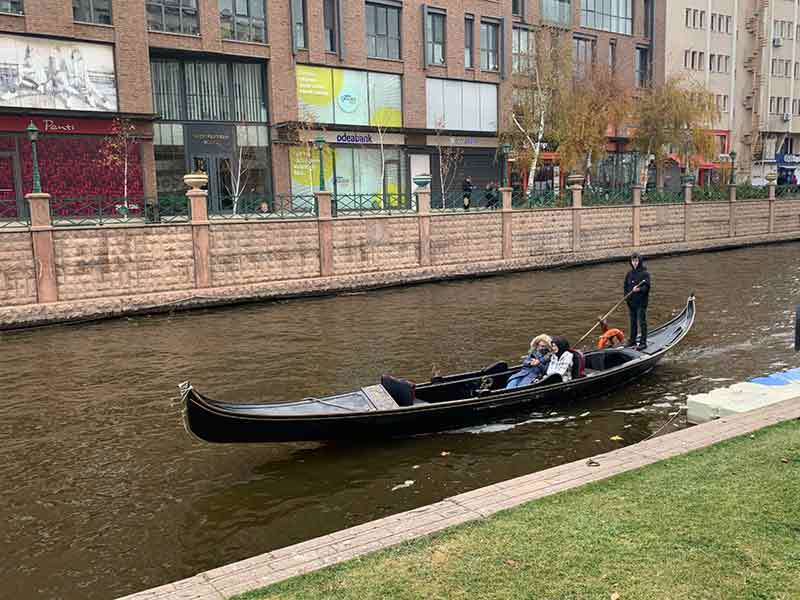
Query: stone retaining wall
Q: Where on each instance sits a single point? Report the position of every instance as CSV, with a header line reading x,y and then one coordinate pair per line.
x,y
17,272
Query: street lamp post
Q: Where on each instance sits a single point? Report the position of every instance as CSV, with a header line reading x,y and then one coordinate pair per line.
x,y
319,142
33,136
505,149
733,166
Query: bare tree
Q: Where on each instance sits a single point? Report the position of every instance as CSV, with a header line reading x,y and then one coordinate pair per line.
x,y
450,157
239,167
115,150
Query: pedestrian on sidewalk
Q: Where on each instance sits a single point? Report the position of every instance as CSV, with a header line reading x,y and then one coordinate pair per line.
x,y
466,189
637,281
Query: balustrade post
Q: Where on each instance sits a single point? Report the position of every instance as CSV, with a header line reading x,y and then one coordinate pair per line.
x,y
198,207
424,217
506,212
637,214
732,210
771,181
43,251
687,211
325,228
575,185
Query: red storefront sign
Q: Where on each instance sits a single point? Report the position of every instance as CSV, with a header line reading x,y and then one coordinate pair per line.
x,y
58,125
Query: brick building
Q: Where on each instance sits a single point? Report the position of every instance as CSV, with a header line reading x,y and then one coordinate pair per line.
x,y
385,82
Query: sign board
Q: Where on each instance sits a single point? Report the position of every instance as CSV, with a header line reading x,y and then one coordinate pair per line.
x,y
61,125
355,138
56,74
209,139
463,141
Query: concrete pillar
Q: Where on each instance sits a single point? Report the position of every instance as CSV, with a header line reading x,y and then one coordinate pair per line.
x,y
732,210
198,207
637,214
325,225
508,248
424,216
687,211
771,181
43,252
575,185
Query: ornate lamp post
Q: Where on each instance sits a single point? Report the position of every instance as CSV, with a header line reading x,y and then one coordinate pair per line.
x,y
319,142
505,149
33,136
733,167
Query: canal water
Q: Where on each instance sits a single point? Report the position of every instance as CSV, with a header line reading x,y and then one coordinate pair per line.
x,y
103,493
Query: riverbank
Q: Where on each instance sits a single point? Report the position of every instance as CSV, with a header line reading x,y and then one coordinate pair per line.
x,y
19,316
716,523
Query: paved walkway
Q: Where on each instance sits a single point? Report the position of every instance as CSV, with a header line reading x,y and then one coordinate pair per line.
x,y
252,573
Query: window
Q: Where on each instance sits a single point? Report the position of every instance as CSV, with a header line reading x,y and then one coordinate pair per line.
x,y
383,31
713,21
434,36
208,91
642,67
648,18
557,11
783,29
614,16
719,63
796,107
721,23
173,16
695,19
469,32
781,68
11,6
521,50
728,24
517,8
722,102
88,11
694,60
778,105
490,46
612,55
460,105
797,70
299,24
583,55
329,18
243,20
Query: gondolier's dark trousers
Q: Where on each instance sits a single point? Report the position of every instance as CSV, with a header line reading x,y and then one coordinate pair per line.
x,y
638,315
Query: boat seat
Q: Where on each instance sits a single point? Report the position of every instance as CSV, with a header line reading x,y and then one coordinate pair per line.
x,y
379,397
403,392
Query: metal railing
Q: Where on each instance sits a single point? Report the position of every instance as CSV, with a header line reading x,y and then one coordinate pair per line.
x,y
787,192
710,193
104,210
662,197
344,205
478,200
12,215
752,192
540,199
260,207
606,196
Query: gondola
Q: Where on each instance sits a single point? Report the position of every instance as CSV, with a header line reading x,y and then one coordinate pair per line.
x,y
399,408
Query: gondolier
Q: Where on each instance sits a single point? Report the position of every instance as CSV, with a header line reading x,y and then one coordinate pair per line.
x,y
637,284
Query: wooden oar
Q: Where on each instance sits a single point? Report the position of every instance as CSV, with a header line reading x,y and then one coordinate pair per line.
x,y
605,316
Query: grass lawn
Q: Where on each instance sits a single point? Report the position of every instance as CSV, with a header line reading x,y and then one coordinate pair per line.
x,y
721,523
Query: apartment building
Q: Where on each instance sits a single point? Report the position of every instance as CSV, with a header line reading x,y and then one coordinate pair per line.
x,y
746,53
386,83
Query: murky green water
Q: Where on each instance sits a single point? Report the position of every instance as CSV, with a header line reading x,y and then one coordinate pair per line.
x,y
103,493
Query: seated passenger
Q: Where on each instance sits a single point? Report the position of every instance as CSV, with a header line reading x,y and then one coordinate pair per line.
x,y
535,364
560,366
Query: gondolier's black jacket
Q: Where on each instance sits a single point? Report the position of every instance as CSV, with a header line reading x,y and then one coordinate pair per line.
x,y
638,276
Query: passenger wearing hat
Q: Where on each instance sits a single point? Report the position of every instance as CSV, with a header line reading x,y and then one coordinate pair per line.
x,y
637,281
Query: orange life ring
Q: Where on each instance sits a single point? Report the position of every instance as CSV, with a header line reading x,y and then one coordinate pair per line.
x,y
612,334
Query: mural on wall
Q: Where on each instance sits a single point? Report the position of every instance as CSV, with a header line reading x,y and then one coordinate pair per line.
x,y
347,97
56,74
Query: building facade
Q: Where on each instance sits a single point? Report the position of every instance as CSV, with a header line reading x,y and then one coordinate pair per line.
x,y
241,89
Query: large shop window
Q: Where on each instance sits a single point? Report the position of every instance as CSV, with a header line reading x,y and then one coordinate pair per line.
x,y
243,20
345,97
11,6
209,91
173,16
350,171
557,11
616,16
91,11
461,105
383,30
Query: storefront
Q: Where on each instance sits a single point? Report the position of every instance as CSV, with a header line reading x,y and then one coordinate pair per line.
x,y
788,168
456,157
213,117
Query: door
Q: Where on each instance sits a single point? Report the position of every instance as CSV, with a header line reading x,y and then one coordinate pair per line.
x,y
219,182
12,205
392,186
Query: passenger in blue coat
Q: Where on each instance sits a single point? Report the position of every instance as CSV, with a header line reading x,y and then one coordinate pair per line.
x,y
535,364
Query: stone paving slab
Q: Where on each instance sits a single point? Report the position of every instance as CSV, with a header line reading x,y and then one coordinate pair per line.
x,y
271,567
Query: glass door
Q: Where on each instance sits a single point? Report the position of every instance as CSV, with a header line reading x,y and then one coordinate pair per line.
x,y
218,169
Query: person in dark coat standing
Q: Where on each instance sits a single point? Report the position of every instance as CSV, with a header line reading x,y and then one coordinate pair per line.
x,y
466,189
637,281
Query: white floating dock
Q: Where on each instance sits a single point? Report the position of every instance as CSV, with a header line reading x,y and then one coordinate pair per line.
x,y
741,397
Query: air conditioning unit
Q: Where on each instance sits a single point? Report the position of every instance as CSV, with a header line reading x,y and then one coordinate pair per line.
x,y
787,117
777,42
